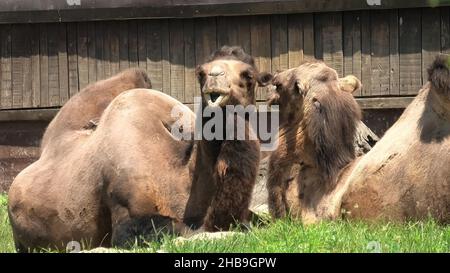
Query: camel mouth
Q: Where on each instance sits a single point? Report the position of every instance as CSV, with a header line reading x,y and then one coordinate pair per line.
x,y
216,99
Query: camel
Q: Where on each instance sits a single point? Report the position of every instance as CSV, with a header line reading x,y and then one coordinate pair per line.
x,y
84,109
404,177
128,178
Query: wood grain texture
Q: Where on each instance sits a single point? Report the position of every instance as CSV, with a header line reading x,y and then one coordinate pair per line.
x,y
394,58
82,54
190,79
205,40
63,73
366,54
295,40
260,48
431,31
279,46
176,59
329,40
43,65
43,53
410,50
99,54
154,53
91,52
72,58
53,64
379,53
35,68
133,43
352,45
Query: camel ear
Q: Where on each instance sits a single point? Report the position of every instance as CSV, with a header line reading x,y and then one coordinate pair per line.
x,y
264,78
350,84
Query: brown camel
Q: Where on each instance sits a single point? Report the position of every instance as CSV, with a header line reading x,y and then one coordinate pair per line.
x,y
130,177
405,176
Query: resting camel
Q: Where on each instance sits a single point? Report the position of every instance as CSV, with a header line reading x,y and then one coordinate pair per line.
x,y
405,176
130,177
84,109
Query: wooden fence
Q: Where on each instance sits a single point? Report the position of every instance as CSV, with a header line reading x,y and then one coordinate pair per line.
x,y
43,65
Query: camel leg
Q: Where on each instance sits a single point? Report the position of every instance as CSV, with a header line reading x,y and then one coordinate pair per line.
x,y
235,178
277,184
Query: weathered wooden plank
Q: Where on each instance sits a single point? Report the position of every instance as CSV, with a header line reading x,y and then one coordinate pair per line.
x,y
366,62
43,59
57,11
35,67
279,38
63,73
384,103
205,40
21,66
380,53
352,44
445,30
107,38
410,51
154,53
123,45
176,59
132,43
234,31
226,33
115,47
28,114
142,45
6,76
295,40
165,56
394,58
242,24
189,62
99,56
91,51
329,40
308,36
27,95
83,58
72,58
53,64
260,48
431,31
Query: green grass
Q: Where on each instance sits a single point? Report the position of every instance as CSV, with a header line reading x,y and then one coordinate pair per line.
x,y
291,236
6,241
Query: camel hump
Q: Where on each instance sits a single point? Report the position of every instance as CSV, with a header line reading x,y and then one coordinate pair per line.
x,y
439,74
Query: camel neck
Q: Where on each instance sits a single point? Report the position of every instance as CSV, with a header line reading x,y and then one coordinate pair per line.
x,y
439,104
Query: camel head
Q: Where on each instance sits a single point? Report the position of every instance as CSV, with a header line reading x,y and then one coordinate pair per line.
x,y
313,98
229,77
439,76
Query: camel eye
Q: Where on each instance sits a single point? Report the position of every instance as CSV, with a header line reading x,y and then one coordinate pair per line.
x,y
246,75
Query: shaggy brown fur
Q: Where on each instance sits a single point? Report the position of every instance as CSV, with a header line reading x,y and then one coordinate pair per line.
x,y
130,176
394,181
317,118
236,162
